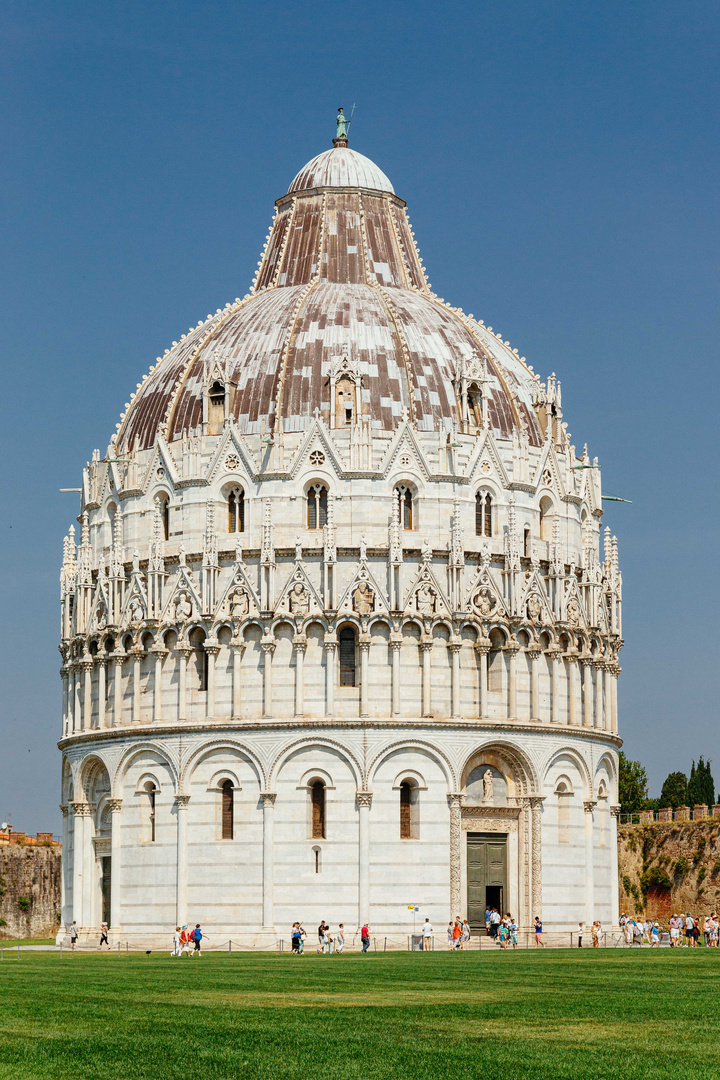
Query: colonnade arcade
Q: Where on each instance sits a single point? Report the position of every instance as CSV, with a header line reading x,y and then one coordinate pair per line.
x,y
405,668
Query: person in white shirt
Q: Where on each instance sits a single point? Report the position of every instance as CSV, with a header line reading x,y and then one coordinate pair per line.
x,y
427,932
340,939
581,931
176,942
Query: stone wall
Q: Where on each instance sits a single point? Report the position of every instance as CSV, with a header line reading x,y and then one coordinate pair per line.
x,y
29,890
667,867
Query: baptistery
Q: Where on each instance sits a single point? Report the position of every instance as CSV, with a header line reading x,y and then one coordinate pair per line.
x,y
338,638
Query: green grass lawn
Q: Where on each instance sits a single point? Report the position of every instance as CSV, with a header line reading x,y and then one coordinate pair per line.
x,y
615,1015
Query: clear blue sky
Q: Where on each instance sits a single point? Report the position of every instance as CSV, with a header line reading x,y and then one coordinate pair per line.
x,y
560,161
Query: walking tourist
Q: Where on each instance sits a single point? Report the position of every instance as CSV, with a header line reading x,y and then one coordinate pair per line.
x,y
488,920
494,922
197,936
457,933
295,938
73,936
538,933
185,941
674,931
581,931
427,932
365,937
450,935
465,935
714,927
176,942
689,928
321,936
513,928
104,936
637,932
595,932
655,936
301,942
340,939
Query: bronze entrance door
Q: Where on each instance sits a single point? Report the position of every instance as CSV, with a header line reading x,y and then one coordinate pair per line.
x,y
486,875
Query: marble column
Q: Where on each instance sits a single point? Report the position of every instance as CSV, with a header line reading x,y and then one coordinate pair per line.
x,y
609,720
268,801
364,801
572,690
268,648
87,666
181,802
552,655
599,703
115,863
299,645
536,802
586,662
614,883
65,708
211,649
426,652
330,678
81,813
395,647
184,653
64,868
615,673
455,645
456,800
364,673
77,705
238,647
589,806
159,653
534,683
482,648
89,868
512,650
102,663
136,658
117,689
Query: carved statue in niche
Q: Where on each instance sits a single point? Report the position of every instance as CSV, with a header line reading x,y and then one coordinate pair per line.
x,y
363,600
573,613
101,615
299,600
487,787
137,609
183,607
484,602
239,603
426,599
534,608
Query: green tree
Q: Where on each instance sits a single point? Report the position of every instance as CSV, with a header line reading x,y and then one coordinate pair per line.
x,y
674,790
633,785
701,786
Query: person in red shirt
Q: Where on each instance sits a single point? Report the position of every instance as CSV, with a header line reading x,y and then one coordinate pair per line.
x,y
365,937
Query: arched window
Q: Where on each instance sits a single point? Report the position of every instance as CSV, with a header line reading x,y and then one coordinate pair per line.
x,y
474,401
228,803
317,803
236,510
564,794
344,402
526,542
483,514
150,793
347,656
317,507
546,518
404,496
199,659
408,810
216,408
166,518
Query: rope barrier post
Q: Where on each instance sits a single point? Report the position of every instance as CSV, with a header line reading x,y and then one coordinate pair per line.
x,y
18,950
61,950
118,950
229,946
127,950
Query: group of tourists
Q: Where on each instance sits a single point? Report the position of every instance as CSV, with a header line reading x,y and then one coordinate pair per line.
x,y
326,942
595,934
687,926
187,942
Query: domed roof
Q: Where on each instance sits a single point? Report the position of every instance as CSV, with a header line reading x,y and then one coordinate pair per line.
x,y
341,167
340,283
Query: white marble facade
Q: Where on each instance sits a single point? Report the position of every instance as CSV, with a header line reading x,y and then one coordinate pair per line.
x,y
285,710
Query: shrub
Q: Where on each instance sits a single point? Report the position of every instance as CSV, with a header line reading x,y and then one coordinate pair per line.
x,y
701,874
627,884
654,878
58,917
681,867
23,902
716,867
3,922
697,856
